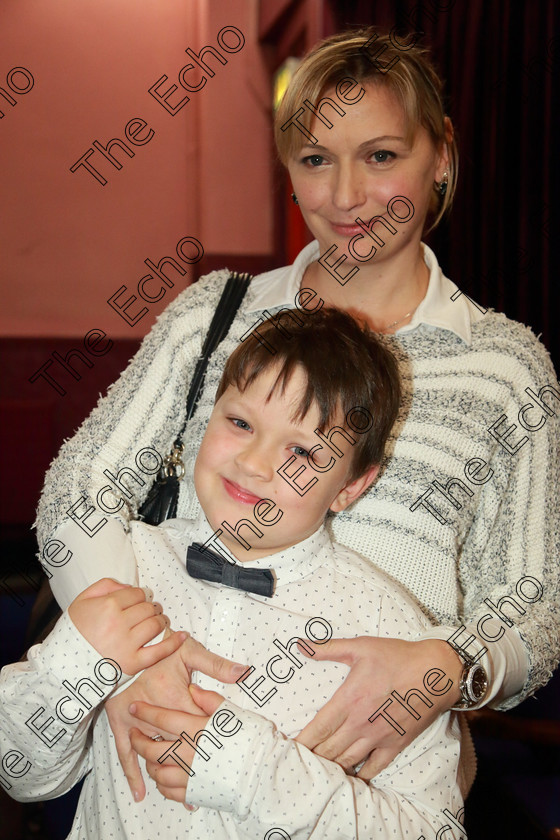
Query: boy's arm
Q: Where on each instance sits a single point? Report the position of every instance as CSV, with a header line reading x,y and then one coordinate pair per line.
x,y
48,702
263,780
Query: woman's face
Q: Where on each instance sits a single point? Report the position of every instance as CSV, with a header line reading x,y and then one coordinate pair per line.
x,y
358,166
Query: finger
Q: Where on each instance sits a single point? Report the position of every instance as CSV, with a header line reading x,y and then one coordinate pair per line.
x,y
130,596
167,775
175,794
322,727
208,701
149,749
197,658
167,721
357,752
336,650
103,587
129,763
148,630
348,739
148,656
137,613
378,761
170,781
338,745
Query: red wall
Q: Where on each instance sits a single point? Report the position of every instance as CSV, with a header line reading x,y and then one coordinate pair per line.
x,y
67,242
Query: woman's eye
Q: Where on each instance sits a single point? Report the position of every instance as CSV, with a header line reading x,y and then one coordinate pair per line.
x,y
313,160
241,424
299,450
383,156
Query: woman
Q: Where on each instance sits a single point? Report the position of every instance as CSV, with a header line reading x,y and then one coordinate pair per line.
x,y
458,515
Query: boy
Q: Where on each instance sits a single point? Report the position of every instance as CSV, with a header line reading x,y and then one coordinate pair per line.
x,y
296,430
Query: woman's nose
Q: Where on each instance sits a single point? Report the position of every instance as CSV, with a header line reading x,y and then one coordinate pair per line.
x,y
348,188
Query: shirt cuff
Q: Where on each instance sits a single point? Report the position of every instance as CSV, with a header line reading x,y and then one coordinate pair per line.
x,y
505,661
68,660
223,777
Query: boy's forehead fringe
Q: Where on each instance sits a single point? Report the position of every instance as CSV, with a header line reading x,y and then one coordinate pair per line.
x,y
286,368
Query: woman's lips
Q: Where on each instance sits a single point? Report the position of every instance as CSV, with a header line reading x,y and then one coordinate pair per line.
x,y
239,494
346,230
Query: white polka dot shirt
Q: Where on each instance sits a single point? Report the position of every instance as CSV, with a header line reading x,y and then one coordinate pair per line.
x,y
251,780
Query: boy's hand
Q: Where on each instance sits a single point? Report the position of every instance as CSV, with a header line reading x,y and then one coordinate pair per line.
x,y
341,730
166,683
171,779
117,620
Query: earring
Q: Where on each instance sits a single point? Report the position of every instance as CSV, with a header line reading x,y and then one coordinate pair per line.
x,y
442,186
294,198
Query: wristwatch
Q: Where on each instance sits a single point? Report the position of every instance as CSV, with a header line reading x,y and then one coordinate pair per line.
x,y
473,683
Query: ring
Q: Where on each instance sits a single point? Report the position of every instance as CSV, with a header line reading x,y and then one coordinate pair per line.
x,y
157,738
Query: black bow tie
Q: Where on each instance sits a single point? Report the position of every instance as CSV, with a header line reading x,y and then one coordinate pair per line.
x,y
206,565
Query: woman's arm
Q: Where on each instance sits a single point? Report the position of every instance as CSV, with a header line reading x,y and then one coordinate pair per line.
x,y
508,568
104,472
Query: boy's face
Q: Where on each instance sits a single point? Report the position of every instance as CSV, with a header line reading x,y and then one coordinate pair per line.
x,y
247,440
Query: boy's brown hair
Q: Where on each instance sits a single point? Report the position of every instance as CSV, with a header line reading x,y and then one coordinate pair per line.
x,y
346,366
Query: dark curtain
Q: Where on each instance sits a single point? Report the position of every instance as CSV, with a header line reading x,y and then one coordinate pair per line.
x,y
500,64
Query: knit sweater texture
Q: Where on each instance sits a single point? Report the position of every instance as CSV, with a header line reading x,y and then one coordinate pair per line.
x,y
495,533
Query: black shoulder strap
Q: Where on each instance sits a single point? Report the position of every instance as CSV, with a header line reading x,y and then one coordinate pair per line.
x,y
230,301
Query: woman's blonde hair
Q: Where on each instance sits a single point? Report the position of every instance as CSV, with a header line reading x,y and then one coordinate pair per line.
x,y
366,55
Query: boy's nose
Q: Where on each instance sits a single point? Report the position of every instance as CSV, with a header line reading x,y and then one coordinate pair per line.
x,y
256,462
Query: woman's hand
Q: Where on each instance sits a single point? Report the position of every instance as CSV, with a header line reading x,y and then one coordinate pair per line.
x,y
171,779
341,730
165,684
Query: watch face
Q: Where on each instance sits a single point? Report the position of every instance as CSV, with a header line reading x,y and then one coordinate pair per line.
x,y
478,682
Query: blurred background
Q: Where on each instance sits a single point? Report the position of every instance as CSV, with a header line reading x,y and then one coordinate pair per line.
x,y
107,163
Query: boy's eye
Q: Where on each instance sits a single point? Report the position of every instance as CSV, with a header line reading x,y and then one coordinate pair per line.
x,y
241,424
383,156
313,160
299,450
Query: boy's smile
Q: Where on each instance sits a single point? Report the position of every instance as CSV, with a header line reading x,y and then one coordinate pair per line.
x,y
239,494
247,440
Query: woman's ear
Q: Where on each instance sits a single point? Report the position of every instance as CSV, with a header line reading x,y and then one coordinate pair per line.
x,y
443,161
353,489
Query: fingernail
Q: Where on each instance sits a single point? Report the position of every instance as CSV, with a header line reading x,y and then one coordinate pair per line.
x,y
132,708
239,670
136,795
190,808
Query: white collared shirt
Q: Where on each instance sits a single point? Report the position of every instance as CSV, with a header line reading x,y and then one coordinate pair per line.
x,y
259,779
280,286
